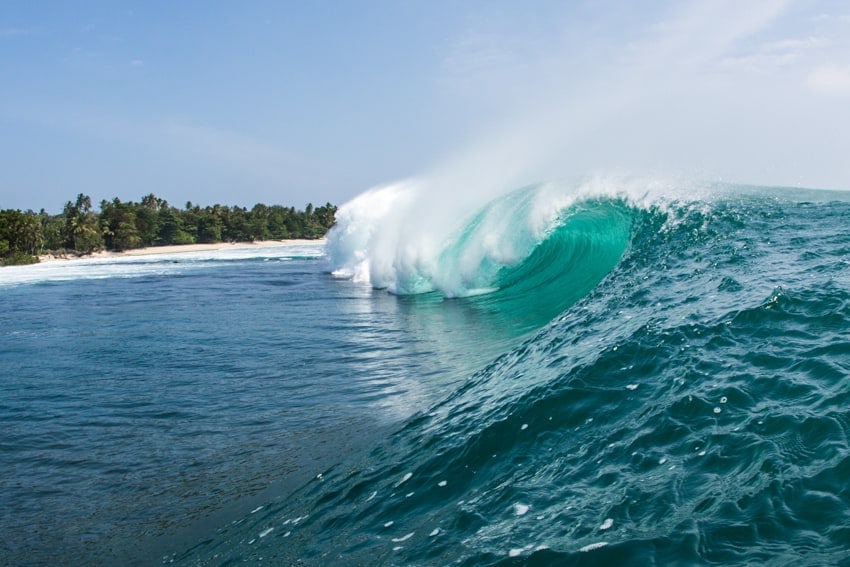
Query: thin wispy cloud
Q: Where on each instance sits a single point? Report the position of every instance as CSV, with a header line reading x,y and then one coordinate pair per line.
x,y
704,33
830,79
14,32
251,156
479,53
825,17
774,55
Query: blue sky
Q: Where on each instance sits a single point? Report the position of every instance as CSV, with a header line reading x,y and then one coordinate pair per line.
x,y
290,102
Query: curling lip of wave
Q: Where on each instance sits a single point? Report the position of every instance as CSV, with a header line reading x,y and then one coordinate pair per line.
x,y
400,239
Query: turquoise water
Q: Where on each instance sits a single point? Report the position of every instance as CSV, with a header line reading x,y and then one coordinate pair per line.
x,y
628,381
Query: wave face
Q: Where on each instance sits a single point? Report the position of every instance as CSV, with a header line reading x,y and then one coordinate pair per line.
x,y
683,399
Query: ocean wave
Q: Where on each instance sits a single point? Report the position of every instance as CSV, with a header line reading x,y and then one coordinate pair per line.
x,y
689,406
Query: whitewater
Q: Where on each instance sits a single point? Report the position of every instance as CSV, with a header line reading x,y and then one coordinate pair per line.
x,y
606,372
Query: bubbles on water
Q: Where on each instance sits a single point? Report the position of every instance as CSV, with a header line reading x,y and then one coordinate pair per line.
x,y
717,410
607,524
723,400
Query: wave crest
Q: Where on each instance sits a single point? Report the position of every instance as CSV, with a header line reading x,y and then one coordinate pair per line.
x,y
409,240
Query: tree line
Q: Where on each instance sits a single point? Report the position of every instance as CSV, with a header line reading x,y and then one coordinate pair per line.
x,y
119,226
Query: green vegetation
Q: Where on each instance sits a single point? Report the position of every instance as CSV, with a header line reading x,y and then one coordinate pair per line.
x,y
152,222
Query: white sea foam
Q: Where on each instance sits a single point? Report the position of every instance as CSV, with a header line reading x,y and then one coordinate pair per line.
x,y
266,532
593,546
153,264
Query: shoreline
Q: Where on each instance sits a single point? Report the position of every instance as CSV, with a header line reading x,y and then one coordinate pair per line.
x,y
178,248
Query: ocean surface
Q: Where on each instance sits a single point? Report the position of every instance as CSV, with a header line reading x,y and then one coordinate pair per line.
x,y
597,374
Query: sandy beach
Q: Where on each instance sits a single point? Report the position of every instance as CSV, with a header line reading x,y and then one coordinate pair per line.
x,y
176,249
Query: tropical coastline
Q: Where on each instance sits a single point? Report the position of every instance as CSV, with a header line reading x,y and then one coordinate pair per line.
x,y
178,248
27,237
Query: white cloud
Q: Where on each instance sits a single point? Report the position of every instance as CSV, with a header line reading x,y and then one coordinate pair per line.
x,y
830,79
772,55
699,32
14,32
478,53
825,17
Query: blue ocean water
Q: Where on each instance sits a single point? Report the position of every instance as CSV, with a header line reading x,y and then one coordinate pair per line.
x,y
558,376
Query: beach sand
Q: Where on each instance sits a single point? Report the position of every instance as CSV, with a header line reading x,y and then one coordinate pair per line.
x,y
176,249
